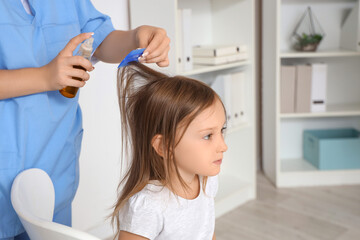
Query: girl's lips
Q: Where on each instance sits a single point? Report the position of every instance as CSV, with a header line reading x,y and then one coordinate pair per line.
x,y
218,162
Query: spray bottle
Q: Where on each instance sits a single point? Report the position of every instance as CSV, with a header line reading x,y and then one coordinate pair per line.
x,y
85,51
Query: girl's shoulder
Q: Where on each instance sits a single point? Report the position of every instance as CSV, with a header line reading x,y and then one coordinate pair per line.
x,y
143,207
151,195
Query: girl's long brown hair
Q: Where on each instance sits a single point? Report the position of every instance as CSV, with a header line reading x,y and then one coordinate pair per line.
x,y
153,103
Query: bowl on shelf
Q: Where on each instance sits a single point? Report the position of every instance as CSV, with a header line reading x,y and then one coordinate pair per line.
x,y
308,43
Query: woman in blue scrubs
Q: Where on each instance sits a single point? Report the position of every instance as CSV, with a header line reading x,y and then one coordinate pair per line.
x,y
39,128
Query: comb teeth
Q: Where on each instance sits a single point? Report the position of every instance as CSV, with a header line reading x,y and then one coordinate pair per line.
x,y
133,56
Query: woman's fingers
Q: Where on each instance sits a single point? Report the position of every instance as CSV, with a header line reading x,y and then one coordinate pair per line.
x,y
164,63
80,61
74,83
157,45
79,74
73,43
163,55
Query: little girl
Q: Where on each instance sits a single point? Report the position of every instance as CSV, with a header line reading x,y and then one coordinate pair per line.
x,y
173,134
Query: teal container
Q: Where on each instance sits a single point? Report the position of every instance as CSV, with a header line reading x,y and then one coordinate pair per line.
x,y
332,149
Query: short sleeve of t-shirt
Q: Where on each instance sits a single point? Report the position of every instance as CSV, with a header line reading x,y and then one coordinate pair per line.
x,y
91,20
141,216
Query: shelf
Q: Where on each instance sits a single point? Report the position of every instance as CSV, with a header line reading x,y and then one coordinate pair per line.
x,y
334,110
299,172
320,54
296,165
232,192
282,132
198,69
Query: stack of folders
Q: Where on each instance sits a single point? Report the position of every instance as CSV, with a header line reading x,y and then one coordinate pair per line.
x,y
183,40
303,88
232,90
216,54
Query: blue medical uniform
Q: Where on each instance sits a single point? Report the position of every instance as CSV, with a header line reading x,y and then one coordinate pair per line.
x,y
41,130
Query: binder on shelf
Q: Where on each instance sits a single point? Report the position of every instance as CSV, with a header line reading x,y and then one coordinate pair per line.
x,y
220,60
350,35
287,89
318,87
238,98
186,39
303,88
179,42
218,50
222,86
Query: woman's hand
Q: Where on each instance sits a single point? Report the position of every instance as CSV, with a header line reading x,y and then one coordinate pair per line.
x,y
157,45
54,76
59,72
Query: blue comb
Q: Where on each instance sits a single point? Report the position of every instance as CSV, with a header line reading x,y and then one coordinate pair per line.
x,y
133,56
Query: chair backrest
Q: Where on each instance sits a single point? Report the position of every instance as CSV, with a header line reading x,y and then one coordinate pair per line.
x,y
33,198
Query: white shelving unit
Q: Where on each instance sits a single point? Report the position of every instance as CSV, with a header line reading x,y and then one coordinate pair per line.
x,y
283,161
217,22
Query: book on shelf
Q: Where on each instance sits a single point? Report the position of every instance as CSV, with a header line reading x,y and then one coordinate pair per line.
x,y
311,88
287,89
220,60
218,50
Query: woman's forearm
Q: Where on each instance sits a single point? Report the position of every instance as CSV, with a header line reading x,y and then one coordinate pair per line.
x,y
21,82
116,46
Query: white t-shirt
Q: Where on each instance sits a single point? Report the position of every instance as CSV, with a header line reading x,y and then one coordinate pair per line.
x,y
156,213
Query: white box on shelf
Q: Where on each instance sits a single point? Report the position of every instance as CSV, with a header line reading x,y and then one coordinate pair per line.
x,y
218,50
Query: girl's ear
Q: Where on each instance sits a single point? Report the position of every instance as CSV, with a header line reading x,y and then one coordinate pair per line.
x,y
157,143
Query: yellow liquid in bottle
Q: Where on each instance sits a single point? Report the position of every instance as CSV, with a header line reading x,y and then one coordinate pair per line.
x,y
70,92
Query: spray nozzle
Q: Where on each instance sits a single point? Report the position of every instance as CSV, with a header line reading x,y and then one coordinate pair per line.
x,y
88,44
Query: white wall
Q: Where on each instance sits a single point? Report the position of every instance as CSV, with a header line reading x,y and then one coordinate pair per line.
x,y
100,154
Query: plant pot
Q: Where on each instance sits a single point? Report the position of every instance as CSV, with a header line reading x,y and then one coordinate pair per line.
x,y
311,47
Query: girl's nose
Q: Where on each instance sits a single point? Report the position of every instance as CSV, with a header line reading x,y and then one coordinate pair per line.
x,y
222,146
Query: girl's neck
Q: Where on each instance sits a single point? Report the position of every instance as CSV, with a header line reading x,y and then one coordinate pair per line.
x,y
190,192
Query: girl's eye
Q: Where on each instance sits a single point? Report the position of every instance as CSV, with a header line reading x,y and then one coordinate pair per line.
x,y
207,137
223,130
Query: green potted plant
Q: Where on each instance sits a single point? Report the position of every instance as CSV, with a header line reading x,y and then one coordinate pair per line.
x,y
308,42
308,32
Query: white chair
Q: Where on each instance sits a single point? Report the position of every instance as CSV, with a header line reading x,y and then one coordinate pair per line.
x,y
33,198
